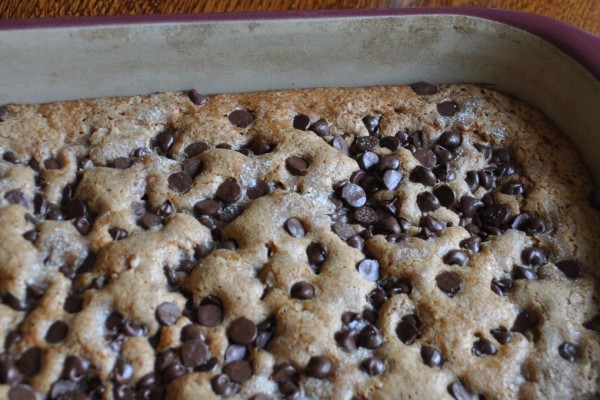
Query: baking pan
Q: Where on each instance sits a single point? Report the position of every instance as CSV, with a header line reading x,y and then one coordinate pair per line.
x,y
551,65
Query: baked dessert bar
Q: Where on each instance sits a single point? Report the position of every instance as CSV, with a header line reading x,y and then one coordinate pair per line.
x,y
411,242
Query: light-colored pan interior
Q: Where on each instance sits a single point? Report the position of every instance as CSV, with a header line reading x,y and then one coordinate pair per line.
x,y
69,63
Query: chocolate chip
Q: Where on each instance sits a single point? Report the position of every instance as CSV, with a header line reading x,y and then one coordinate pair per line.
x,y
11,157
122,372
172,372
31,236
319,367
4,113
431,356
82,225
444,173
442,154
302,290
225,146
365,215
301,122
21,392
372,366
369,337
284,372
422,175
427,202
340,144
195,148
426,157
370,184
16,197
456,257
356,242
317,253
242,331
371,123
458,391
513,188
354,195
117,233
191,167
321,128
121,162
193,353
567,351
469,206
501,335
74,208
180,182
571,268
240,118
167,313
450,139
52,163
524,322
132,329
123,392
8,372
501,286
294,227
11,338
472,180
210,315
525,273
368,269
15,303
346,340
207,207
30,361
235,352
449,282
447,108
431,224
238,371
367,160
113,321
149,220
229,191
496,215
389,225
57,332
197,98
536,225
223,386
483,347
365,143
407,331
259,190
445,195
296,165
423,88
165,140
391,179
344,231
593,323
534,256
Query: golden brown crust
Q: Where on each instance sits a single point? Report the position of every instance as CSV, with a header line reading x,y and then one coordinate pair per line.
x,y
255,279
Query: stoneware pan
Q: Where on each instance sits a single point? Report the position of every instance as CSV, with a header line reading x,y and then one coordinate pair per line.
x,y
549,64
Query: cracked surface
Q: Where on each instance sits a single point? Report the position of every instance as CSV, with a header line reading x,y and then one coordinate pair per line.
x,y
73,173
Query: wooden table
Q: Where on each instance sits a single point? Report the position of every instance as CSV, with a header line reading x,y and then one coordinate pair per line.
x,y
582,13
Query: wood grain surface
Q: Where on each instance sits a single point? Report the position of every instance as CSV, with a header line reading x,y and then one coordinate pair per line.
x,y
582,13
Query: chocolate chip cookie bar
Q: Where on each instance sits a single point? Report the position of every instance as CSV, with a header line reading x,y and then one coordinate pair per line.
x,y
409,242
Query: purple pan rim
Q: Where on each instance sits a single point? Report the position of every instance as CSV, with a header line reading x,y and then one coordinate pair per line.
x,y
573,41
